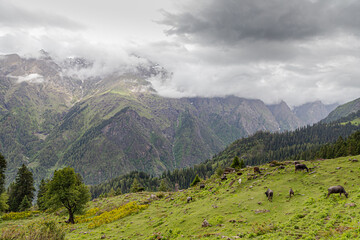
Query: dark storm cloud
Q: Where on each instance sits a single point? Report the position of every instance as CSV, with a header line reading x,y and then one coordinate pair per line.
x,y
13,16
235,21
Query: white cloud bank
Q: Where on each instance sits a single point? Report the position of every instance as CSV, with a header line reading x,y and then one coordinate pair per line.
x,y
297,51
32,78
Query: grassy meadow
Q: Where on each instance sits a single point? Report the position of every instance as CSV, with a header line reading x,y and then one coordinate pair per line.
x,y
233,212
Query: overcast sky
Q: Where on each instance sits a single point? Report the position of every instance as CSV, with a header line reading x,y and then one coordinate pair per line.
x,y
291,50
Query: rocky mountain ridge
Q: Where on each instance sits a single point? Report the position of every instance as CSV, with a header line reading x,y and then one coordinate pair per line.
x,y
108,125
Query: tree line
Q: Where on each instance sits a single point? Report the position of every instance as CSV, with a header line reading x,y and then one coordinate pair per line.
x,y
66,189
309,142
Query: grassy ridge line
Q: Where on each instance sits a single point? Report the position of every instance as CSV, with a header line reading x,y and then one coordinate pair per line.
x,y
240,210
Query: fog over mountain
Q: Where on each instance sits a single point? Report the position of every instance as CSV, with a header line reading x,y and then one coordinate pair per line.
x,y
273,50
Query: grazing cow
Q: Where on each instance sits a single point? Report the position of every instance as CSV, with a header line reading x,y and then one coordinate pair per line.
x,y
257,170
337,189
291,192
301,167
223,177
189,199
269,194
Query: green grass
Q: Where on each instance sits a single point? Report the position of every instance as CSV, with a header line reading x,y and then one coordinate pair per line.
x,y
355,122
237,210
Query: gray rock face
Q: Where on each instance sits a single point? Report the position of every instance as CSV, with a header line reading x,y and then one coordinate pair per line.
x,y
313,112
109,125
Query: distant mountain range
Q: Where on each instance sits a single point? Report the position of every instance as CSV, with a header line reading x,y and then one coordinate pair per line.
x,y
104,126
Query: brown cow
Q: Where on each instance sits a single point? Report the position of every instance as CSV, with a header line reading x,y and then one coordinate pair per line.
x,y
269,194
291,192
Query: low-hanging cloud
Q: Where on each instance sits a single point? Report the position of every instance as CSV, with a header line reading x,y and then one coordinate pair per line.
x,y
15,16
273,50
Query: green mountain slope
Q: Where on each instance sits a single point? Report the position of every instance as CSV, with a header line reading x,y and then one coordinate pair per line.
x,y
343,111
233,210
50,118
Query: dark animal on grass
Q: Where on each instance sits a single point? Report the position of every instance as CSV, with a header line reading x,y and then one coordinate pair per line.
x,y
269,194
189,199
257,170
301,167
337,189
202,186
291,192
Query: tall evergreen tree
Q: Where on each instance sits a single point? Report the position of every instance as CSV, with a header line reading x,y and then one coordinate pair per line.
x,y
136,187
235,163
242,164
25,204
66,189
41,197
163,186
196,180
3,202
2,173
24,186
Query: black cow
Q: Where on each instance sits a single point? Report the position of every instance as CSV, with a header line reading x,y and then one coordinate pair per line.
x,y
301,167
337,189
257,170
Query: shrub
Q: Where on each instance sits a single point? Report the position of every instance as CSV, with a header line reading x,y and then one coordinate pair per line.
x,y
18,215
46,230
196,180
84,218
115,214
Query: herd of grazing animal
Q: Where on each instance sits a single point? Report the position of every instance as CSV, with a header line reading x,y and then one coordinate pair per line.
x,y
298,166
269,193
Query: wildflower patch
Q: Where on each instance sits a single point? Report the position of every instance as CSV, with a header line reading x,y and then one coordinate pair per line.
x,y
113,215
18,215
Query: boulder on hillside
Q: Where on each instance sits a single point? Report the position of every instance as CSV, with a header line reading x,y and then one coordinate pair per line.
x,y
205,223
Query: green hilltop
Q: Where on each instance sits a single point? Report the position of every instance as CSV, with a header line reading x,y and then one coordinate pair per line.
x,y
233,210
343,111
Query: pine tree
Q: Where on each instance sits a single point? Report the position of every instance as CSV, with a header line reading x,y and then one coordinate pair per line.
x,y
111,192
219,171
24,186
163,186
118,191
136,187
66,189
41,198
3,202
196,180
242,164
235,163
2,173
25,204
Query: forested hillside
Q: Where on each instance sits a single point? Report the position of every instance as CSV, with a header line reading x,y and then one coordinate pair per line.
x,y
226,209
343,111
307,143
